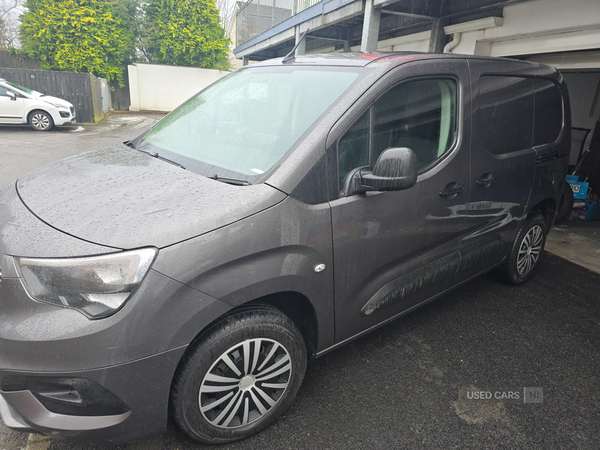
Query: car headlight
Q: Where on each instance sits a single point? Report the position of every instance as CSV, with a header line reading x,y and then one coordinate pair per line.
x,y
97,286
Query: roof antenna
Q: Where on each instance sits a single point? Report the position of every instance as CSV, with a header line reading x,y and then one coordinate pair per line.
x,y
291,56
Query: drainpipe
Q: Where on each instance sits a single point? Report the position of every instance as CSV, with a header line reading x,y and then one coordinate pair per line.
x,y
453,43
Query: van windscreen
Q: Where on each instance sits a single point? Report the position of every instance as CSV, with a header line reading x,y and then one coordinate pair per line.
x,y
244,124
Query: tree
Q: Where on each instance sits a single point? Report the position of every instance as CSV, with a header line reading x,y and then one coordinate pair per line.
x,y
186,33
79,36
9,29
226,9
131,13
2,33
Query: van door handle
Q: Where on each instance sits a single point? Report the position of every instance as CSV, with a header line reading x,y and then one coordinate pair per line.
x,y
485,180
452,190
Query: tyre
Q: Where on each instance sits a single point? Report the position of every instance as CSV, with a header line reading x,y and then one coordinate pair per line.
x,y
525,252
565,203
41,121
239,376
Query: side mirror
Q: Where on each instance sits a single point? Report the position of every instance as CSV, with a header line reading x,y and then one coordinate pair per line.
x,y
395,170
12,95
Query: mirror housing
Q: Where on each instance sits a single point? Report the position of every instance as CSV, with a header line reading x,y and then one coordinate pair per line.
x,y
395,170
12,95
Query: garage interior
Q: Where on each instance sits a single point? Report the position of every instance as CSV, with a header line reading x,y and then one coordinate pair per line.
x,y
574,238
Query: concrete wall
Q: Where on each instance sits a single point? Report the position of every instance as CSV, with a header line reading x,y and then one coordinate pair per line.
x,y
154,87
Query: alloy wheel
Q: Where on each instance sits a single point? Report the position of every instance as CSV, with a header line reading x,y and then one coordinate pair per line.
x,y
530,249
244,383
40,121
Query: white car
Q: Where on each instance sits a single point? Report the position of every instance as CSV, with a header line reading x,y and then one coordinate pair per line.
x,y
19,104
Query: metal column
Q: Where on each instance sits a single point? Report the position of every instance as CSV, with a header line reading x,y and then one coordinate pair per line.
x,y
370,33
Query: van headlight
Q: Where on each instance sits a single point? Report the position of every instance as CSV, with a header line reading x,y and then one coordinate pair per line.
x,y
97,286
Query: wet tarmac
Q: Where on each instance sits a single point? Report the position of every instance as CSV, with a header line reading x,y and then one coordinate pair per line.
x,y
23,149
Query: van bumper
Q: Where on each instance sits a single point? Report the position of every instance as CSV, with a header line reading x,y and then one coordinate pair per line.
x,y
96,381
121,403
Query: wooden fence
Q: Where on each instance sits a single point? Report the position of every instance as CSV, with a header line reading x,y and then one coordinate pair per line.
x,y
83,90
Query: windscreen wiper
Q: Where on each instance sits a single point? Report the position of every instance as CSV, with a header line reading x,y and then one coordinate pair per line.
x,y
162,158
230,180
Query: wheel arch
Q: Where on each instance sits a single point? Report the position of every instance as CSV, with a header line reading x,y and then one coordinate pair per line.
x,y
36,109
300,310
547,208
296,306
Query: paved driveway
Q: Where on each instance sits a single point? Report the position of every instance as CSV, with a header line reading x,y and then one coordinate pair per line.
x,y
22,149
407,385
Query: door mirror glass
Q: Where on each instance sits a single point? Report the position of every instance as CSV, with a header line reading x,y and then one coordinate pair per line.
x,y
395,170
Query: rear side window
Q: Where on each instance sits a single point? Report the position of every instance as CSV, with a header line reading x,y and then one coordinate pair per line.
x,y
506,113
548,112
420,115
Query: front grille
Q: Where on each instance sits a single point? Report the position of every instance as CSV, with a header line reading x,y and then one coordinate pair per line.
x,y
72,111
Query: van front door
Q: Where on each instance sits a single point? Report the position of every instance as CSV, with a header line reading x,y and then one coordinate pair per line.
x,y
396,249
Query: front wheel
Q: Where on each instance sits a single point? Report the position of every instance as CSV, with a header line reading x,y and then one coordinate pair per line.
x,y
41,121
239,377
525,252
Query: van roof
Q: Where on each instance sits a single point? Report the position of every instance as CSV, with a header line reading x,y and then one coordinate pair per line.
x,y
359,59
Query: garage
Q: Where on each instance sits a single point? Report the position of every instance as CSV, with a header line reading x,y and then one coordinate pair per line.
x,y
577,236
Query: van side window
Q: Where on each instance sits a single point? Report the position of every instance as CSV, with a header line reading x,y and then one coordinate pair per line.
x,y
506,113
420,115
548,112
353,147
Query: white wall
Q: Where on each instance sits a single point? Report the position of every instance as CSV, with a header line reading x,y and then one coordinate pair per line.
x,y
155,87
584,60
537,26
417,42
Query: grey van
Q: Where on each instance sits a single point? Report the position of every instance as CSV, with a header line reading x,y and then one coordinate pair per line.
x,y
282,212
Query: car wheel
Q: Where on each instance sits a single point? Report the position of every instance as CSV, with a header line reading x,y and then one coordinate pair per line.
x,y
41,121
239,376
525,252
565,203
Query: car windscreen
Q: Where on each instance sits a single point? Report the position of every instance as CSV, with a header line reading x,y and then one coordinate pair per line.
x,y
21,88
241,126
